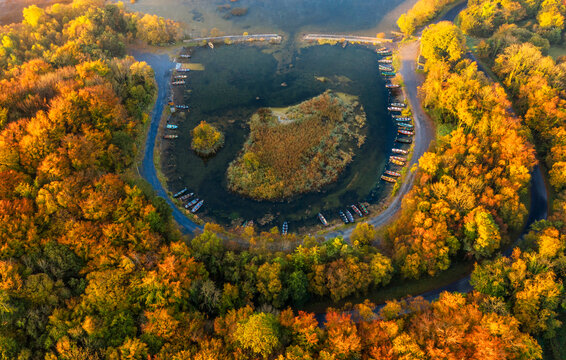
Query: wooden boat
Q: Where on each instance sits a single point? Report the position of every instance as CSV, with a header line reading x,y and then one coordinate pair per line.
x,y
343,217
322,219
180,82
381,49
406,132
392,173
397,162
394,108
388,179
363,208
180,193
385,61
171,126
191,203
170,137
399,151
186,197
402,119
197,206
404,140
398,104
392,86
388,73
405,126
356,210
180,77
210,45
399,158
182,106
284,228
185,56
349,216
386,68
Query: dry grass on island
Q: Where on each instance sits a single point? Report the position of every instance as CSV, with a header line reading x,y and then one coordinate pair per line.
x,y
207,140
298,149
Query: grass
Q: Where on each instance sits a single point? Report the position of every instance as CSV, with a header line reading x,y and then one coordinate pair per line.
x,y
556,51
398,288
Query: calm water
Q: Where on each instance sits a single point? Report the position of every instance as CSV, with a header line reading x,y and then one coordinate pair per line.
x,y
225,95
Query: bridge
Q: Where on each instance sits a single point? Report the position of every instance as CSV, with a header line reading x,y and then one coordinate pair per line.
x,y
273,38
346,38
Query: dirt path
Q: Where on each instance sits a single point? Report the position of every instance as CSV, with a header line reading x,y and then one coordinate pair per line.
x,y
424,134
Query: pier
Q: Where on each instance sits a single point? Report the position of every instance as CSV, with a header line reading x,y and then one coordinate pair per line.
x,y
346,38
272,38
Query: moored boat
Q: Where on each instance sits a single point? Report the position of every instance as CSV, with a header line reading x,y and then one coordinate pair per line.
x,y
210,45
392,173
191,203
392,86
397,162
322,219
349,216
388,179
388,73
356,210
170,137
180,76
197,206
404,140
363,208
386,67
394,108
399,104
400,158
180,193
171,126
404,126
406,132
343,217
186,197
399,151
385,61
180,82
284,228
381,49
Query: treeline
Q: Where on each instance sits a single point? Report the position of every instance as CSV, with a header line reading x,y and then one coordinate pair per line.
x,y
422,12
545,18
469,193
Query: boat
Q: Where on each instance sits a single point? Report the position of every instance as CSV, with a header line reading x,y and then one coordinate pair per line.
x,y
180,82
394,108
210,45
398,104
171,126
388,179
399,158
403,119
322,219
386,67
349,216
405,126
186,197
197,206
404,140
397,162
400,151
392,86
191,203
182,106
185,56
343,217
388,73
356,210
284,228
363,208
406,132
385,61
381,49
392,173
170,137
180,193
180,77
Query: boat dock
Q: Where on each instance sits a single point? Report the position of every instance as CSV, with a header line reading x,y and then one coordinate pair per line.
x,y
272,38
346,38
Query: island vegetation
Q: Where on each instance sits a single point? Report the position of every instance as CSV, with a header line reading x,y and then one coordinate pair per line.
x,y
298,149
92,266
206,139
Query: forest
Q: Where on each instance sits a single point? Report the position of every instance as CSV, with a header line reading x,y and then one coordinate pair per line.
x,y
92,265
299,149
